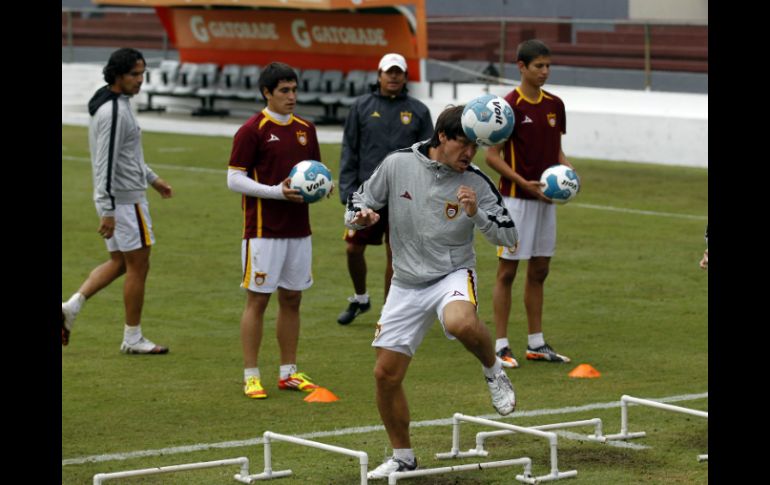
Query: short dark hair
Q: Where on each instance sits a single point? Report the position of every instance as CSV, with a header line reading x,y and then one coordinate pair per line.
x,y
121,62
531,49
450,123
274,73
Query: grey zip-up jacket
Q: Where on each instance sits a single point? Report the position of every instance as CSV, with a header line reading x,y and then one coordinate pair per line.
x,y
430,234
377,125
117,160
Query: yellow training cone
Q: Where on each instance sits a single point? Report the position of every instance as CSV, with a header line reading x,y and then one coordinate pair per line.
x,y
585,371
321,395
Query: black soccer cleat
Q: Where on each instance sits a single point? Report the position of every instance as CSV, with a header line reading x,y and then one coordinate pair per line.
x,y
354,309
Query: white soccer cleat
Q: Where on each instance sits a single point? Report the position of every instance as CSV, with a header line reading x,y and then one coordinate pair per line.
x,y
143,346
391,465
503,397
67,320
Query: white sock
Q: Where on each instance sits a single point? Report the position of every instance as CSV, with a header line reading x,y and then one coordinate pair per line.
x,y
404,454
132,335
287,370
491,371
501,343
535,340
362,298
251,372
75,303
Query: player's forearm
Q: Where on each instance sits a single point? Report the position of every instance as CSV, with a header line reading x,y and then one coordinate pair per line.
x,y
237,181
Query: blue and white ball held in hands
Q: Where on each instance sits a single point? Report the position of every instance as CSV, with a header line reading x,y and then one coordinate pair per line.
x,y
560,183
313,180
488,120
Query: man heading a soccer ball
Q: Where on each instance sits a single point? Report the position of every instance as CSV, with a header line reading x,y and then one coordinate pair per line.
x,y
534,145
436,199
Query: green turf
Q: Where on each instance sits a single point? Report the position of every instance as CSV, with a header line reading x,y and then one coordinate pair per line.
x,y
625,294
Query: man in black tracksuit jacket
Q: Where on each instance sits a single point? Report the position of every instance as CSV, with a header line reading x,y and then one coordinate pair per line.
x,y
380,122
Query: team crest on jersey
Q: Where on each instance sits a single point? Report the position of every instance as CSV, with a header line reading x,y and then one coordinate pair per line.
x,y
259,278
302,137
406,117
451,210
552,119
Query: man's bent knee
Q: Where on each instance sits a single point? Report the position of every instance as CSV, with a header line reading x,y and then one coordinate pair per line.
x,y
355,249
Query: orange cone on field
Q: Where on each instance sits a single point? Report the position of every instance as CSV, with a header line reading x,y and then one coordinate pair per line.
x,y
321,395
585,371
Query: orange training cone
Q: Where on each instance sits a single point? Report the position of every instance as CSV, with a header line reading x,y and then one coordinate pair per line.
x,y
585,371
321,395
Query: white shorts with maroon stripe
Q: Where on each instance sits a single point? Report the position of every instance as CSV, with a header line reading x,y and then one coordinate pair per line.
x,y
536,222
409,313
270,263
133,228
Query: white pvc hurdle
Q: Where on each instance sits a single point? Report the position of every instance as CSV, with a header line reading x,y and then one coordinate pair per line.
x,y
626,399
595,422
527,462
551,437
268,472
100,478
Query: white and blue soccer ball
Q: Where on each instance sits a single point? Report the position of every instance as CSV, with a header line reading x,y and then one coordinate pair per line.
x,y
488,120
560,183
312,178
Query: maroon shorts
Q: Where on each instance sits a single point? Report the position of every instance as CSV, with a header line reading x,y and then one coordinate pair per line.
x,y
372,235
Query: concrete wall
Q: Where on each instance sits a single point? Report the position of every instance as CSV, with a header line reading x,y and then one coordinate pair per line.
x,y
668,10
607,124
613,124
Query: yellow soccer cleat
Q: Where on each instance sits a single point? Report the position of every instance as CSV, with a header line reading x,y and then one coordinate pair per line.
x,y
253,388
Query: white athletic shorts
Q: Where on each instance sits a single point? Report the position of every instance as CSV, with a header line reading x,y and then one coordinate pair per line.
x,y
408,313
271,263
536,223
133,228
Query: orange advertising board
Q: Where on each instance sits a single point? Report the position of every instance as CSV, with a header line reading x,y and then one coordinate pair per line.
x,y
319,33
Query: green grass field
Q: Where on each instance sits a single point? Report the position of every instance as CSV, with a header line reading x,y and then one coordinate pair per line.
x,y
625,295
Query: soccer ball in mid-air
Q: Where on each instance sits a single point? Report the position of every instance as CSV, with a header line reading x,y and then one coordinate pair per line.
x,y
560,183
312,178
488,120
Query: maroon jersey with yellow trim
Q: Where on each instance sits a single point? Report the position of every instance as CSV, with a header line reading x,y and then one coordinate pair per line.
x,y
535,142
266,150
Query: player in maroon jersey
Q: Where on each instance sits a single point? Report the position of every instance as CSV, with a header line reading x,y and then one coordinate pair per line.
x,y
534,145
276,249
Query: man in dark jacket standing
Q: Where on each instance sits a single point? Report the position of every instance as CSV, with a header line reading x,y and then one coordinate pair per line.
x,y
380,122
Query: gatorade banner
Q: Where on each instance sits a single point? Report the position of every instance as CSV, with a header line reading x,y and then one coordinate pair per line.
x,y
292,31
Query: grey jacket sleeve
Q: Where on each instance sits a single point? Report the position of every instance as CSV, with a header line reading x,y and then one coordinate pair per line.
x,y
103,160
373,194
349,160
493,219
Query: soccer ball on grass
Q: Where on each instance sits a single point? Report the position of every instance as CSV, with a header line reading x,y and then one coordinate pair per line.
x,y
560,183
488,120
313,180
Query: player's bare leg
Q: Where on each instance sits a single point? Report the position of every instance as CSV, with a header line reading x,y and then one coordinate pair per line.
x,y
137,268
357,268
389,372
287,324
103,275
462,321
252,323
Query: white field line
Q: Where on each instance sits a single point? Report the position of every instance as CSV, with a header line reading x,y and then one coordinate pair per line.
x,y
641,212
366,429
223,171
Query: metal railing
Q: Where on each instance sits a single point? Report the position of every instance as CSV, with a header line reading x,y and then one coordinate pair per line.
x,y
70,12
